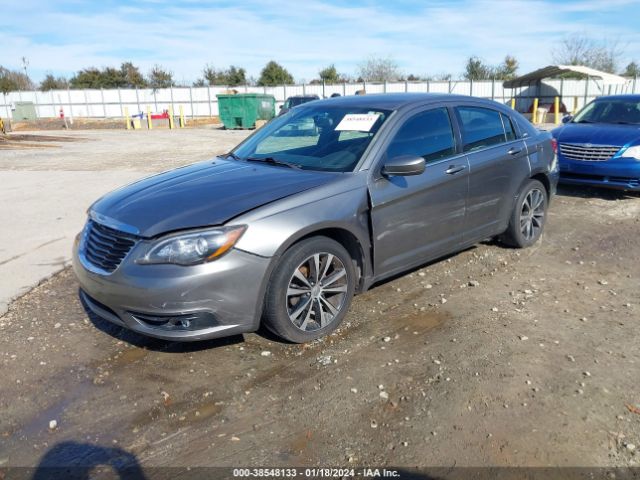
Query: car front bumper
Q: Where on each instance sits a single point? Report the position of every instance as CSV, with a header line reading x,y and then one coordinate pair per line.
x,y
620,173
173,302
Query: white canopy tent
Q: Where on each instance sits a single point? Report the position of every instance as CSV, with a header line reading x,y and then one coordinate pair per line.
x,y
607,79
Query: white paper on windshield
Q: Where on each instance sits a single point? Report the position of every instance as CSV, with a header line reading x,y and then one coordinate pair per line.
x,y
360,122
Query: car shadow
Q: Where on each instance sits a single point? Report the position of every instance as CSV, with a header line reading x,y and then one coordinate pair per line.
x,y
610,194
82,461
154,344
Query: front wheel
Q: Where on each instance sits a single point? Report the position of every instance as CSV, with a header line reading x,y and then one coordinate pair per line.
x,y
528,217
310,290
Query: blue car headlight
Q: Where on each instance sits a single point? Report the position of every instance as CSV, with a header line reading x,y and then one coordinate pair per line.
x,y
633,152
193,247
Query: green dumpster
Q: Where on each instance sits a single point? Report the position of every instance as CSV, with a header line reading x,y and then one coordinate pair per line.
x,y
243,109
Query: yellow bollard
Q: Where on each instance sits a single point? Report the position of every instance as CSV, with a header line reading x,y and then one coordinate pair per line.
x,y
171,117
556,105
149,124
575,106
534,112
513,104
126,118
181,117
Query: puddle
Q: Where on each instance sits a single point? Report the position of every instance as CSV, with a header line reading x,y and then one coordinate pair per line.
x,y
129,356
40,422
421,321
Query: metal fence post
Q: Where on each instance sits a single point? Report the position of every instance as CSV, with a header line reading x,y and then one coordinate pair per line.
x,y
209,100
428,86
155,100
344,88
104,107
86,101
470,87
171,97
70,105
323,87
120,100
493,88
138,102
406,86
586,90
6,105
191,102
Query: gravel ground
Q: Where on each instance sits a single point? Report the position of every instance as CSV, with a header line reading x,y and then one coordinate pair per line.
x,y
491,357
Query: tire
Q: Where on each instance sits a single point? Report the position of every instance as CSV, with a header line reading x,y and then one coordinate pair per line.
x,y
295,308
527,224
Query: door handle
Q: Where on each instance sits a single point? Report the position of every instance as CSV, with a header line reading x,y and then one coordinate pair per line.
x,y
514,151
453,169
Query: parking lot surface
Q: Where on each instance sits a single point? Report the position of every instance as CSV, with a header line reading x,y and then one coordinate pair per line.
x,y
493,356
48,185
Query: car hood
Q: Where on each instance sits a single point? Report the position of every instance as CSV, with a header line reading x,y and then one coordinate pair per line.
x,y
203,194
597,134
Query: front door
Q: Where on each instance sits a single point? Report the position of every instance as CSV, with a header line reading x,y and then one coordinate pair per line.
x,y
420,217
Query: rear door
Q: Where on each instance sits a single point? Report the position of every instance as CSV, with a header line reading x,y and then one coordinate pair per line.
x,y
498,164
416,218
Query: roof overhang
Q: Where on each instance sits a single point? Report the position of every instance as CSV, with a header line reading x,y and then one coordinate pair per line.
x,y
555,70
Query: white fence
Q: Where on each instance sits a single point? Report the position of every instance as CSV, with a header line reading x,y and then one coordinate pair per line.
x,y
202,101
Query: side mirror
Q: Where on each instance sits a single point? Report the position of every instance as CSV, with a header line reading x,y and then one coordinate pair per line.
x,y
404,165
567,118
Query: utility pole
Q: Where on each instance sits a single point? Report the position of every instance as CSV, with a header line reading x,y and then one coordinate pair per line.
x,y
25,64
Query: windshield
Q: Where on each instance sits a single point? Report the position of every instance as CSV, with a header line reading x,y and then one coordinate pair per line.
x,y
315,138
620,111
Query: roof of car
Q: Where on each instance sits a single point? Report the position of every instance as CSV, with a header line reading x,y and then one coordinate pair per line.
x,y
620,97
392,101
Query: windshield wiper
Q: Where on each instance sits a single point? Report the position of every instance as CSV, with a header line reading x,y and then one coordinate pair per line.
x,y
627,123
585,121
232,155
273,161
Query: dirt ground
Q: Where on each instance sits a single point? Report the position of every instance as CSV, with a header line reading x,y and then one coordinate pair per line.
x,y
491,357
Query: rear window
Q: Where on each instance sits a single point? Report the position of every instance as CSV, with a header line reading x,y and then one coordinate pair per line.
x,y
481,128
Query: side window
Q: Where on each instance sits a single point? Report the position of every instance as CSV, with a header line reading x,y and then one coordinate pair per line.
x,y
508,127
481,127
427,135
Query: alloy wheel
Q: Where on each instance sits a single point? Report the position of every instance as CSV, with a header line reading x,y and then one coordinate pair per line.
x,y
532,214
317,291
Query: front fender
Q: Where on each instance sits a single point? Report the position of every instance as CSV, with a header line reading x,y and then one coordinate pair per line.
x,y
274,228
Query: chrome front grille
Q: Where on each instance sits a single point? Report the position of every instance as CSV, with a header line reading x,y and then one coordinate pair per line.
x,y
588,153
105,247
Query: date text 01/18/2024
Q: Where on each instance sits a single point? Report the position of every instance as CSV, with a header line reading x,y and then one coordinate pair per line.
x,y
315,473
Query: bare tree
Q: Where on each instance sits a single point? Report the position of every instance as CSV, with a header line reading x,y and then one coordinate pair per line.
x,y
379,69
578,49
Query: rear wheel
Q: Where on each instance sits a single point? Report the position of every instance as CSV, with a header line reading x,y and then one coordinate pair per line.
x,y
528,217
310,290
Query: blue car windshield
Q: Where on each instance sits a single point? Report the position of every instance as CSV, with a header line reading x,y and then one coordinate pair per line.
x,y
614,111
317,137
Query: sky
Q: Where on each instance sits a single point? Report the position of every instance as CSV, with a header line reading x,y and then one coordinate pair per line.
x,y
426,37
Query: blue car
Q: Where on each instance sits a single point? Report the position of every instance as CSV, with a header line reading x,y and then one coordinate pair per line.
x,y
600,146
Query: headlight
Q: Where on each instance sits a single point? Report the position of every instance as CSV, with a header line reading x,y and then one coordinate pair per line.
x,y
633,152
192,248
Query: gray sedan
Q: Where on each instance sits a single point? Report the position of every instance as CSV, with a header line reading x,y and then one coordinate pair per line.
x,y
318,205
